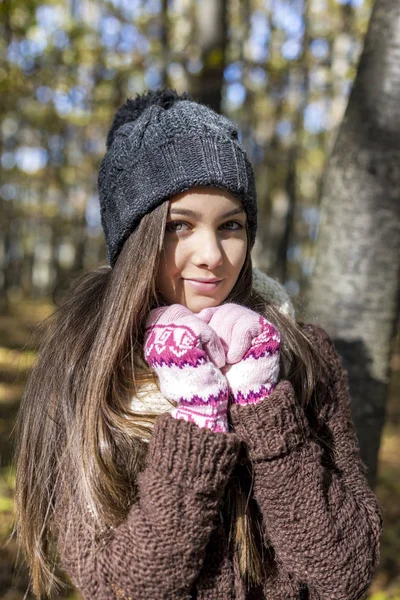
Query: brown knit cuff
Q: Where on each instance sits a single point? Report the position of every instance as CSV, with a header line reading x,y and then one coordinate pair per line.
x,y
192,456
273,426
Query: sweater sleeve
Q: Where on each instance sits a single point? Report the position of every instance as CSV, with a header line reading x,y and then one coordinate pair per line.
x,y
159,549
320,515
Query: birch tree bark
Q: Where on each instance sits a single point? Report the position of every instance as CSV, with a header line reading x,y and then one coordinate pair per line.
x,y
354,290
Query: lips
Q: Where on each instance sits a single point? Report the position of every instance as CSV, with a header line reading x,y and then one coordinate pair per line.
x,y
204,280
204,286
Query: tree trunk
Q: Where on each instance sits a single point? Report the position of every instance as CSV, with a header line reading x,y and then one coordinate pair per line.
x,y
211,24
164,41
354,290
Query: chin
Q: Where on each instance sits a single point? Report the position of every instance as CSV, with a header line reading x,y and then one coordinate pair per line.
x,y
197,304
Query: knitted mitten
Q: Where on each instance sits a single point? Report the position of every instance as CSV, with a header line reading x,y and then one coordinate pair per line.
x,y
187,355
252,348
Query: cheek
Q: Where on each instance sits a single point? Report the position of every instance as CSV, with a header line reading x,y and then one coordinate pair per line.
x,y
177,255
235,251
169,268
169,258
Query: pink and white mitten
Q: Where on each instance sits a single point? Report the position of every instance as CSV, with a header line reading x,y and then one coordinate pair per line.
x,y
252,348
187,356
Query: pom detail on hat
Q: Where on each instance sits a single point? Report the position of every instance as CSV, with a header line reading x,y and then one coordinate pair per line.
x,y
134,107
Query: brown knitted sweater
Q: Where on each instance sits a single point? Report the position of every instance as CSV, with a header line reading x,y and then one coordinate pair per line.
x,y
318,513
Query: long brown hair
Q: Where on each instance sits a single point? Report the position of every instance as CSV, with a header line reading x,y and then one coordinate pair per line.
x,y
75,427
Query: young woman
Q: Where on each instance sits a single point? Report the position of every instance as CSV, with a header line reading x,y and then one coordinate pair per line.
x,y
181,435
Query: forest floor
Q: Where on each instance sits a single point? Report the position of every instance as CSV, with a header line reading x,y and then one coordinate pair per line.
x,y
16,357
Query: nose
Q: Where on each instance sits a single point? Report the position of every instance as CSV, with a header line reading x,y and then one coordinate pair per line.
x,y
208,251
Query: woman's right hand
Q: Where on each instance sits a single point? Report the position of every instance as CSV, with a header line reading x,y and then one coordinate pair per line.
x,y
252,349
187,355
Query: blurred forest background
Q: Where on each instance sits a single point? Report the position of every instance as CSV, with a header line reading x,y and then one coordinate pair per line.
x,y
283,70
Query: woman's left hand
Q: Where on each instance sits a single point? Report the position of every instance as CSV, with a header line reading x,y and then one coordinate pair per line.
x,y
252,349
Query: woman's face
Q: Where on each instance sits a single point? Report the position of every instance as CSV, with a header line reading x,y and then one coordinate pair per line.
x,y
205,238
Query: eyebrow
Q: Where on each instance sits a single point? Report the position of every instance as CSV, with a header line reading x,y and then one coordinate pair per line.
x,y
192,213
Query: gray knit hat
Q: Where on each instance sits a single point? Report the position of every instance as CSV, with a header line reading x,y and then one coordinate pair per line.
x,y
159,145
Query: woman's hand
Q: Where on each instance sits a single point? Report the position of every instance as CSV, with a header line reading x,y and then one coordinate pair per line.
x,y
187,356
252,349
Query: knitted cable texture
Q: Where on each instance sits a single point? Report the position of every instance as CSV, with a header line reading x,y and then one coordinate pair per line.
x,y
160,145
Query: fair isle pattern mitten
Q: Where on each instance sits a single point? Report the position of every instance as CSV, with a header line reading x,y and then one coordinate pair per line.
x,y
187,356
255,376
252,348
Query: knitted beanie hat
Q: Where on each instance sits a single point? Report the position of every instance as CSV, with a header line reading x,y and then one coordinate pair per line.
x,y
161,144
